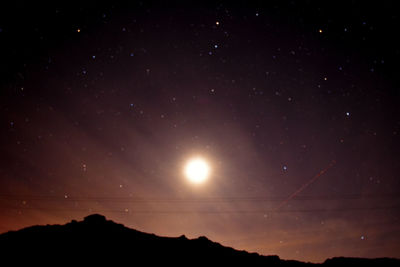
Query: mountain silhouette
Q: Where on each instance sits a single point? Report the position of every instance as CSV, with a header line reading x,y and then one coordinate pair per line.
x,y
96,240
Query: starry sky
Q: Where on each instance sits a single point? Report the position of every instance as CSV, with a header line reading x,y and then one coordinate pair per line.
x,y
293,104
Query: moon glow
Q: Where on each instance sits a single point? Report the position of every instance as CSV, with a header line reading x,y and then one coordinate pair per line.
x,y
197,170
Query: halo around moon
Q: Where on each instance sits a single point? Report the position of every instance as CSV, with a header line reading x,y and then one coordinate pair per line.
x,y
197,170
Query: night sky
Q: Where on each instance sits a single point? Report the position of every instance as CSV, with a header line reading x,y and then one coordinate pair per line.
x,y
293,105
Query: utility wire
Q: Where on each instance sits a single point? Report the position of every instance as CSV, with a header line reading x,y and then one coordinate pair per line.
x,y
206,199
266,211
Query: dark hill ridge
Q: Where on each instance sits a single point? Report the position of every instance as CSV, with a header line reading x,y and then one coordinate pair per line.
x,y
96,240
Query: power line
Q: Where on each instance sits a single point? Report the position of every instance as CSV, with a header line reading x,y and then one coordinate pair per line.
x,y
208,199
266,211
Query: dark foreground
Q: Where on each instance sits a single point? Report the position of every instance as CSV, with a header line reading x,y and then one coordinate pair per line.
x,y
99,241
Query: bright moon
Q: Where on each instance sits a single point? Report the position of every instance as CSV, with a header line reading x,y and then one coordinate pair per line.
x,y
197,170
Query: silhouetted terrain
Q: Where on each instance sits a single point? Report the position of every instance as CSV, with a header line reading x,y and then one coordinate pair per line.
x,y
96,240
